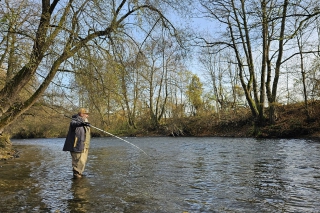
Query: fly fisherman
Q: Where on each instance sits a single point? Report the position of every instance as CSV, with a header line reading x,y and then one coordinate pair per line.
x,y
78,141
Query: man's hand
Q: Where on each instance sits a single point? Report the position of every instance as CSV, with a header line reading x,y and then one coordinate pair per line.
x,y
86,124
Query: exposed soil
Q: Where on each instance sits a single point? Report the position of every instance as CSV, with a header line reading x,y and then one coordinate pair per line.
x,y
292,121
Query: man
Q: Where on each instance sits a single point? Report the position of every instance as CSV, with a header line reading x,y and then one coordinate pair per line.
x,y
78,141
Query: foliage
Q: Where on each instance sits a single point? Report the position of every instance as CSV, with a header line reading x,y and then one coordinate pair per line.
x,y
291,122
40,122
53,36
194,93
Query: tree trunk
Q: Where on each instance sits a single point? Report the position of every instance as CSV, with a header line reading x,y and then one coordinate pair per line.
x,y
272,98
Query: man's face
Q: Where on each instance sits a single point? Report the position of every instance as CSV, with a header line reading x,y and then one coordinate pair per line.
x,y
84,115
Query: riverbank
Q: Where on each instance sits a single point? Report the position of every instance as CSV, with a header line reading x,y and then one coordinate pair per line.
x,y
292,121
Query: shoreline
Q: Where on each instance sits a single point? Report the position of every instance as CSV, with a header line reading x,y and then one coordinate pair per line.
x,y
9,153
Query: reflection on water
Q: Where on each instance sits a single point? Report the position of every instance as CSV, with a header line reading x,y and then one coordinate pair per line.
x,y
79,201
183,175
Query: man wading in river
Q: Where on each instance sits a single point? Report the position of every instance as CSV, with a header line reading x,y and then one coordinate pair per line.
x,y
78,141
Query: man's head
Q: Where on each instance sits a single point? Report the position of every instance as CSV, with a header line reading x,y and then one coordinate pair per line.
x,y
83,112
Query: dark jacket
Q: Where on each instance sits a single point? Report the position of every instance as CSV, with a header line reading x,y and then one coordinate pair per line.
x,y
76,135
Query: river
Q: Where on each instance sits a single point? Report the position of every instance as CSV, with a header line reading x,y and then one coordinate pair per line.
x,y
205,174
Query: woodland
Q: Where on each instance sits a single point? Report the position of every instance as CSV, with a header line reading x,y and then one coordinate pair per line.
x,y
239,68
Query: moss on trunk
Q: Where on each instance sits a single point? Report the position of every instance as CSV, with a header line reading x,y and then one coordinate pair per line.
x,y
6,151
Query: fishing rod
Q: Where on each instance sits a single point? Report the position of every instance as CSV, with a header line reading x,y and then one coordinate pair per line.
x,y
110,134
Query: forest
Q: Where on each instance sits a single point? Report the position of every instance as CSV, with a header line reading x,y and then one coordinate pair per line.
x,y
237,68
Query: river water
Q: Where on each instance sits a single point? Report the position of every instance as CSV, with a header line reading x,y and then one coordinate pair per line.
x,y
179,175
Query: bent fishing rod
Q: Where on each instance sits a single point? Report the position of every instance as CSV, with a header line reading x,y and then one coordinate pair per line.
x,y
109,134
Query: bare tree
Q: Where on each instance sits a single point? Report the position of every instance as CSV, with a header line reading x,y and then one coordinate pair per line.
x,y
258,32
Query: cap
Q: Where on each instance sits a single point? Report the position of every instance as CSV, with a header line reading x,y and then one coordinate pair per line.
x,y
83,111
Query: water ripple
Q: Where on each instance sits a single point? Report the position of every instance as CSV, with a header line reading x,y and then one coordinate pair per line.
x,y
183,175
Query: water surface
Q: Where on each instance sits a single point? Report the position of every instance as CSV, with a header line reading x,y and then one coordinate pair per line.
x,y
181,175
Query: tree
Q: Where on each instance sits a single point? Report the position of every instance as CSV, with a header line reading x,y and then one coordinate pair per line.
x,y
221,75
194,93
63,29
257,33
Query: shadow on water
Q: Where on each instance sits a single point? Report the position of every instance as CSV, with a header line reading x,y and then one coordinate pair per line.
x,y
183,175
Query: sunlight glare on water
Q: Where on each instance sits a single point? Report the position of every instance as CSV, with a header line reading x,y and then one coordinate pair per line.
x,y
182,175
